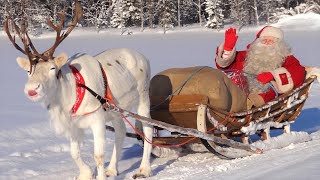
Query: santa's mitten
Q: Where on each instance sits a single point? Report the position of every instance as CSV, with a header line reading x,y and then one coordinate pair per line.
x,y
230,39
265,77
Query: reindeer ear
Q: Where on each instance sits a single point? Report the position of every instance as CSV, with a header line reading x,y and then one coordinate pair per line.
x,y
60,60
24,63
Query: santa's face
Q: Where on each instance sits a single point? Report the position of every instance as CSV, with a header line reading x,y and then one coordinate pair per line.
x,y
268,40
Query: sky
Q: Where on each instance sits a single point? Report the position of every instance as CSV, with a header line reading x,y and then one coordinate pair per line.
x,y
29,148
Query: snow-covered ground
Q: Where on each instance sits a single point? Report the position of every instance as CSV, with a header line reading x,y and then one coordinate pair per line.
x,y
29,149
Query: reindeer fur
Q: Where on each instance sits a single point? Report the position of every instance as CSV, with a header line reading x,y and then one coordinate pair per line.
x,y
128,74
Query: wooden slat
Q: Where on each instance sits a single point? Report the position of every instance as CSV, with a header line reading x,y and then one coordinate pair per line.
x,y
297,112
281,117
173,140
179,103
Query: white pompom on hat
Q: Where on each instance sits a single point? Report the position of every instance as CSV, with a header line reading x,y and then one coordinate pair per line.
x,y
273,32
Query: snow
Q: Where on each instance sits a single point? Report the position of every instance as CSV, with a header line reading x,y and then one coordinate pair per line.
x,y
29,149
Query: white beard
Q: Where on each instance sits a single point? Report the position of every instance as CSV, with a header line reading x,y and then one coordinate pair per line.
x,y
263,58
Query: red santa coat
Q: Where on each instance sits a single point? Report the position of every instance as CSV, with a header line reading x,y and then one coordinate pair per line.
x,y
289,76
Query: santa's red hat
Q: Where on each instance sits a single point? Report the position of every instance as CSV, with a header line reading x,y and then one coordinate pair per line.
x,y
271,31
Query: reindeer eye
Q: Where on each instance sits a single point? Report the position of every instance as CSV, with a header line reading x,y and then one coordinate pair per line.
x,y
53,68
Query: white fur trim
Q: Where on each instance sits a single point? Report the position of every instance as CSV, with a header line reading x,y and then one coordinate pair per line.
x,y
313,71
278,84
225,61
272,31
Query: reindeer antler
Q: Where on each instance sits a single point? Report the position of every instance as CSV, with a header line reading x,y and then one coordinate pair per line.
x,y
34,56
24,37
60,37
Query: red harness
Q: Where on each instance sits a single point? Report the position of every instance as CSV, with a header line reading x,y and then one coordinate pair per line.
x,y
81,91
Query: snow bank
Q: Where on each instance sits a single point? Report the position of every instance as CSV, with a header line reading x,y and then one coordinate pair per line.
x,y
308,21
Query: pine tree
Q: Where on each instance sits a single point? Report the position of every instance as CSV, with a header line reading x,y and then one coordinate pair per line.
x,y
116,19
189,12
166,11
150,11
97,14
215,16
199,5
131,12
239,11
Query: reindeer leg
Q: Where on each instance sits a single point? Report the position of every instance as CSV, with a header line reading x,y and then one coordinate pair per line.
x,y
98,130
120,133
85,171
145,167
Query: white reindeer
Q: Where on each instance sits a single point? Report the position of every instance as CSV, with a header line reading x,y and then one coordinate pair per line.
x,y
53,83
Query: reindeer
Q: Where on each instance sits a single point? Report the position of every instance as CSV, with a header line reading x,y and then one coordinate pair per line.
x,y
122,74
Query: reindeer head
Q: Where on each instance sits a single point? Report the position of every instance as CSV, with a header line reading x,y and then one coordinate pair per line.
x,y
43,69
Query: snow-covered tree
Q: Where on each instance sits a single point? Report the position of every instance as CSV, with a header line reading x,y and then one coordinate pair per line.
x,y
199,5
126,13
215,16
97,14
189,13
143,17
150,12
166,11
116,19
131,12
239,11
282,12
310,6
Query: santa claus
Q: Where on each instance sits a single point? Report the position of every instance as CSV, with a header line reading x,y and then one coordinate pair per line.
x,y
268,64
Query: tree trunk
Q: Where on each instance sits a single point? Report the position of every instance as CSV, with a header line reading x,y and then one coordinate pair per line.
x,y
142,14
255,8
150,13
179,15
199,12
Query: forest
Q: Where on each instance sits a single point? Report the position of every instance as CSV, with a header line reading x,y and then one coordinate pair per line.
x,y
166,14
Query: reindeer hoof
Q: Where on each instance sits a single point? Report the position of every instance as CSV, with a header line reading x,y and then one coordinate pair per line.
x,y
138,176
111,172
143,173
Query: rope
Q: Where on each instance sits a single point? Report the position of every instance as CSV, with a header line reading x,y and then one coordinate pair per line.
x,y
179,88
274,89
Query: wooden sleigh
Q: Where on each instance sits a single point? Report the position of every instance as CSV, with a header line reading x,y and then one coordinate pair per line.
x,y
194,112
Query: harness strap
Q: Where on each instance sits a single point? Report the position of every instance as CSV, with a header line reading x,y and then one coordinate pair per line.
x,y
97,96
81,89
106,87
